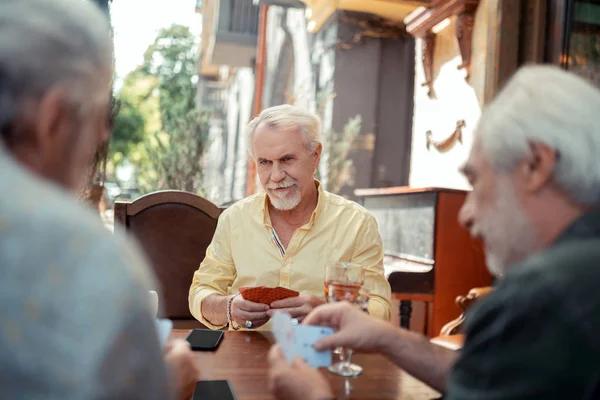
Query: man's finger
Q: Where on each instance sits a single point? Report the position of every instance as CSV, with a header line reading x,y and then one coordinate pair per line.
x,y
251,316
299,363
177,348
330,314
168,346
295,312
278,368
325,315
260,322
179,345
329,342
247,305
290,302
275,355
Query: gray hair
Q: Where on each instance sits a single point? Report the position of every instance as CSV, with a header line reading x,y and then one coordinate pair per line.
x,y
287,118
547,105
45,43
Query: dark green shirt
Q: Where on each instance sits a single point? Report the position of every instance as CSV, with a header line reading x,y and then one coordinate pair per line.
x,y
537,336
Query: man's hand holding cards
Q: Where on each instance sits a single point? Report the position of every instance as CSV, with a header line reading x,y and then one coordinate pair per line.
x,y
297,340
249,308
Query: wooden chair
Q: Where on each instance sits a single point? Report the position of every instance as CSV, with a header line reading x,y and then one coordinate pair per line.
x,y
174,229
451,335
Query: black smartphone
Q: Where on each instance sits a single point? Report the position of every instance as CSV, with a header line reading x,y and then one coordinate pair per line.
x,y
213,390
204,339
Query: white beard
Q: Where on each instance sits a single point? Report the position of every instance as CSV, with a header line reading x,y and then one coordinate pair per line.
x,y
508,233
284,202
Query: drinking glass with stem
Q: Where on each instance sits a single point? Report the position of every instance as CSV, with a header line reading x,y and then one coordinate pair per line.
x,y
344,282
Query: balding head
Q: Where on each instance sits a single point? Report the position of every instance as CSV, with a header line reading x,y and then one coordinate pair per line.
x,y
55,75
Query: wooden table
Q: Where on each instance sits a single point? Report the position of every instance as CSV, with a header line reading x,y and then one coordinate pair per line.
x,y
242,359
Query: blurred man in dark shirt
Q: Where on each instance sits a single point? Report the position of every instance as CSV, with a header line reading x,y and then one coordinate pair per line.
x,y
535,172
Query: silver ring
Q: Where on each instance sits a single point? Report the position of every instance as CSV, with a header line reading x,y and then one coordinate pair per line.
x,y
249,324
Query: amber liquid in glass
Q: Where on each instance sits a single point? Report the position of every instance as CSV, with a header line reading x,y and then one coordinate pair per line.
x,y
341,291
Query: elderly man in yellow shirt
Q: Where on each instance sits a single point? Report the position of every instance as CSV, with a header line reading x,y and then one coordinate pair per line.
x,y
286,235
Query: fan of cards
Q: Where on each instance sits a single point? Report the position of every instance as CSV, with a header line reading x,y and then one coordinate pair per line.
x,y
266,295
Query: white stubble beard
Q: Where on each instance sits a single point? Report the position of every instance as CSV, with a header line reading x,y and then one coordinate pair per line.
x,y
284,203
508,232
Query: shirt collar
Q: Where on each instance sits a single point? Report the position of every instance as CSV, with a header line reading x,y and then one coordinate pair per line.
x,y
317,211
586,226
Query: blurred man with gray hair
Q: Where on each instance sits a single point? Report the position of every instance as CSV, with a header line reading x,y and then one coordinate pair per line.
x,y
76,320
535,172
285,235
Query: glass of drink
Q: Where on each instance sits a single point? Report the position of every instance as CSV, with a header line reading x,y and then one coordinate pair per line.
x,y
153,302
343,282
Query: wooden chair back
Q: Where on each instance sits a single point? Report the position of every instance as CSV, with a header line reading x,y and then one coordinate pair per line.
x,y
174,228
452,336
464,303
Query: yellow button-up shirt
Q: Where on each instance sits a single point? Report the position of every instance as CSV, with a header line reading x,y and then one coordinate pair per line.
x,y
245,251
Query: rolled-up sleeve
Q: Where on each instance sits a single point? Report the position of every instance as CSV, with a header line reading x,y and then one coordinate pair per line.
x,y
216,273
368,251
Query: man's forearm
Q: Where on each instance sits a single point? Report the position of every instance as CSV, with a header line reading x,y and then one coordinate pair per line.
x,y
214,309
419,357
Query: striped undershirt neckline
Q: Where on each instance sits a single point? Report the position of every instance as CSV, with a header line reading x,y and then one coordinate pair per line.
x,y
278,243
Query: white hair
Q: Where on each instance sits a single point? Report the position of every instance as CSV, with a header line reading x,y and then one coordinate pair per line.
x,y
287,118
547,105
45,43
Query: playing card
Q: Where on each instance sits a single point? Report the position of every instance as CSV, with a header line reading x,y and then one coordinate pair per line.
x,y
283,329
163,328
298,340
306,336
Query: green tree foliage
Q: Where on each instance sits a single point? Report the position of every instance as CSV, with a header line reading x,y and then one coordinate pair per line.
x,y
128,130
173,60
163,93
177,157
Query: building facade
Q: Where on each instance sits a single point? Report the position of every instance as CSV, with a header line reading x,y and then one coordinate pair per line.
x,y
226,88
416,73
354,67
